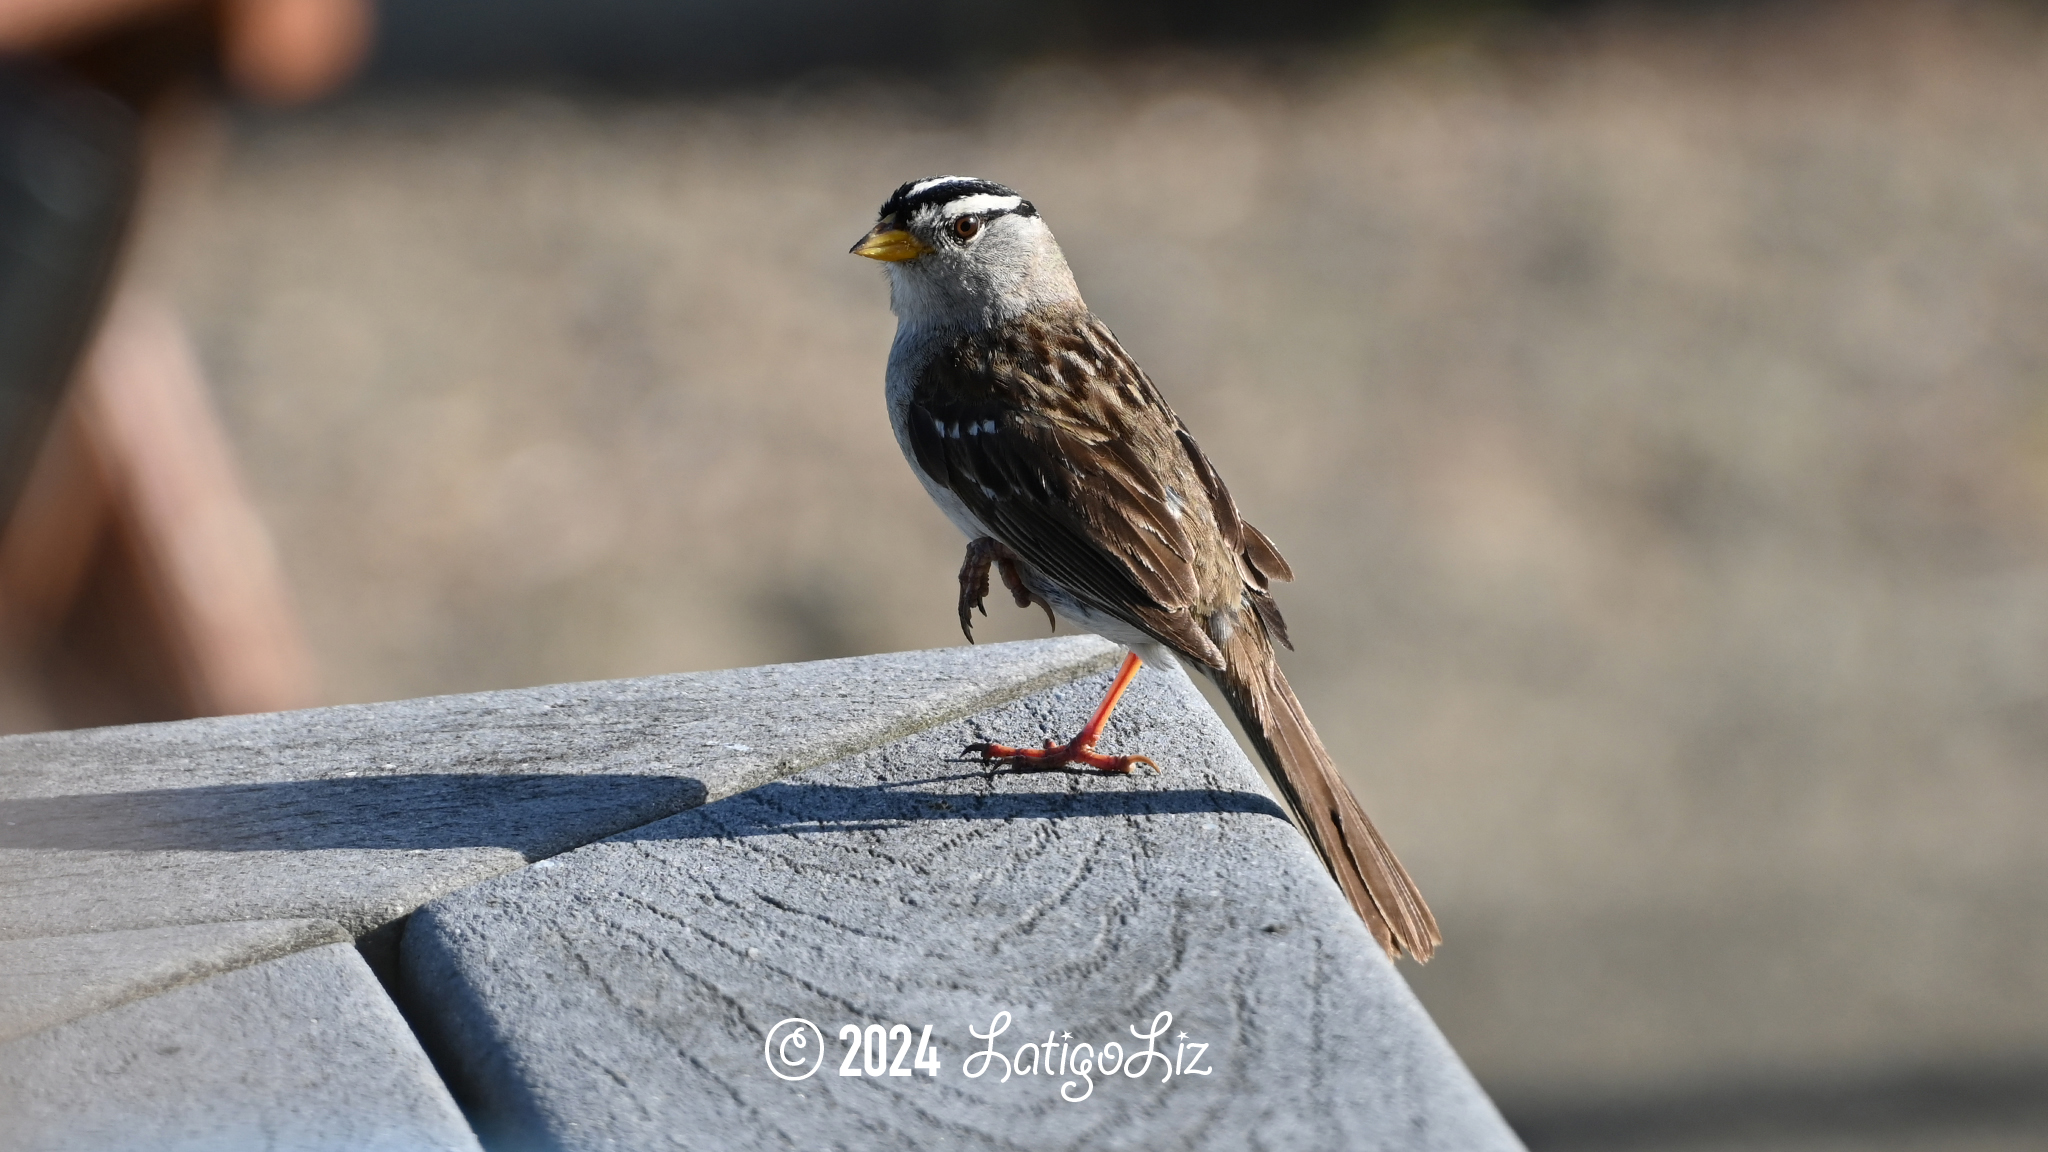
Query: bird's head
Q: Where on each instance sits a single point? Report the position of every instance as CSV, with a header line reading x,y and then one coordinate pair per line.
x,y
966,253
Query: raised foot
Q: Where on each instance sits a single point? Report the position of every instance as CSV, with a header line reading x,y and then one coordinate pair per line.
x,y
981,553
1058,756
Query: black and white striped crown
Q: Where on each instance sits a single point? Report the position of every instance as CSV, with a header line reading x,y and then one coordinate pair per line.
x,y
957,195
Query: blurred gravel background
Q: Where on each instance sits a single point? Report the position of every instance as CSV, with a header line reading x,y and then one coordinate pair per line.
x,y
1656,413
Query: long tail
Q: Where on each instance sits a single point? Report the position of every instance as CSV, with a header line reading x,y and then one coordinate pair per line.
x,y
1365,868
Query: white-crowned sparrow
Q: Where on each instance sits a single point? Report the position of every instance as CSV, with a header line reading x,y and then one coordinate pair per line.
x,y
1044,442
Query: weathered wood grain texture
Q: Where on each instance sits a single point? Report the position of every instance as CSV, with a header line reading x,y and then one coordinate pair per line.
x,y
360,814
621,996
298,1054
47,981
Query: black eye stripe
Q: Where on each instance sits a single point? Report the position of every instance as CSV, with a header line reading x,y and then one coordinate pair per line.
x,y
985,217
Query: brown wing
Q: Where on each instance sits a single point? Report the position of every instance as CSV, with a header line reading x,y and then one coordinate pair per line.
x,y
1259,562
1055,439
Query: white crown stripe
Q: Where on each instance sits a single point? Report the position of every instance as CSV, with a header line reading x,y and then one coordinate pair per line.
x,y
934,182
968,205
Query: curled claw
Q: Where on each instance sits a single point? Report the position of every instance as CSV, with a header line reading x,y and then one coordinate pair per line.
x,y
982,553
1006,563
974,581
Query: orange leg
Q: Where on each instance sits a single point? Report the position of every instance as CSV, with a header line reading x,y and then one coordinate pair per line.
x,y
1081,750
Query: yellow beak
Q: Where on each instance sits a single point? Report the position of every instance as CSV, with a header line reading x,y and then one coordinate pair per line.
x,y
891,244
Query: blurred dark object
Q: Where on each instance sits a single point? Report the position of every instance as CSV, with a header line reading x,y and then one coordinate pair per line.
x,y
702,44
69,162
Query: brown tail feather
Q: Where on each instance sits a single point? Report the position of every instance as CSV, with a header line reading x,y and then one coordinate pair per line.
x,y
1376,884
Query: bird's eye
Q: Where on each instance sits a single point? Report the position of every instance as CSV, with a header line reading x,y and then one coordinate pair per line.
x,y
966,227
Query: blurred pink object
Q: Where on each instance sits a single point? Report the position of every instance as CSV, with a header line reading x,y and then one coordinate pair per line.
x,y
137,471
166,463
277,50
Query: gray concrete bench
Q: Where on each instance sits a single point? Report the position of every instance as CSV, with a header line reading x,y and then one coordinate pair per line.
x,y
762,908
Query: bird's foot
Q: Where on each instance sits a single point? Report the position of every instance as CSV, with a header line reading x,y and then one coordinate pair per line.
x,y
981,554
1081,749
974,582
1078,751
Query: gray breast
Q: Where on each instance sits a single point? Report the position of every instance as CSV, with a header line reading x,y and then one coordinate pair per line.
x,y
914,351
